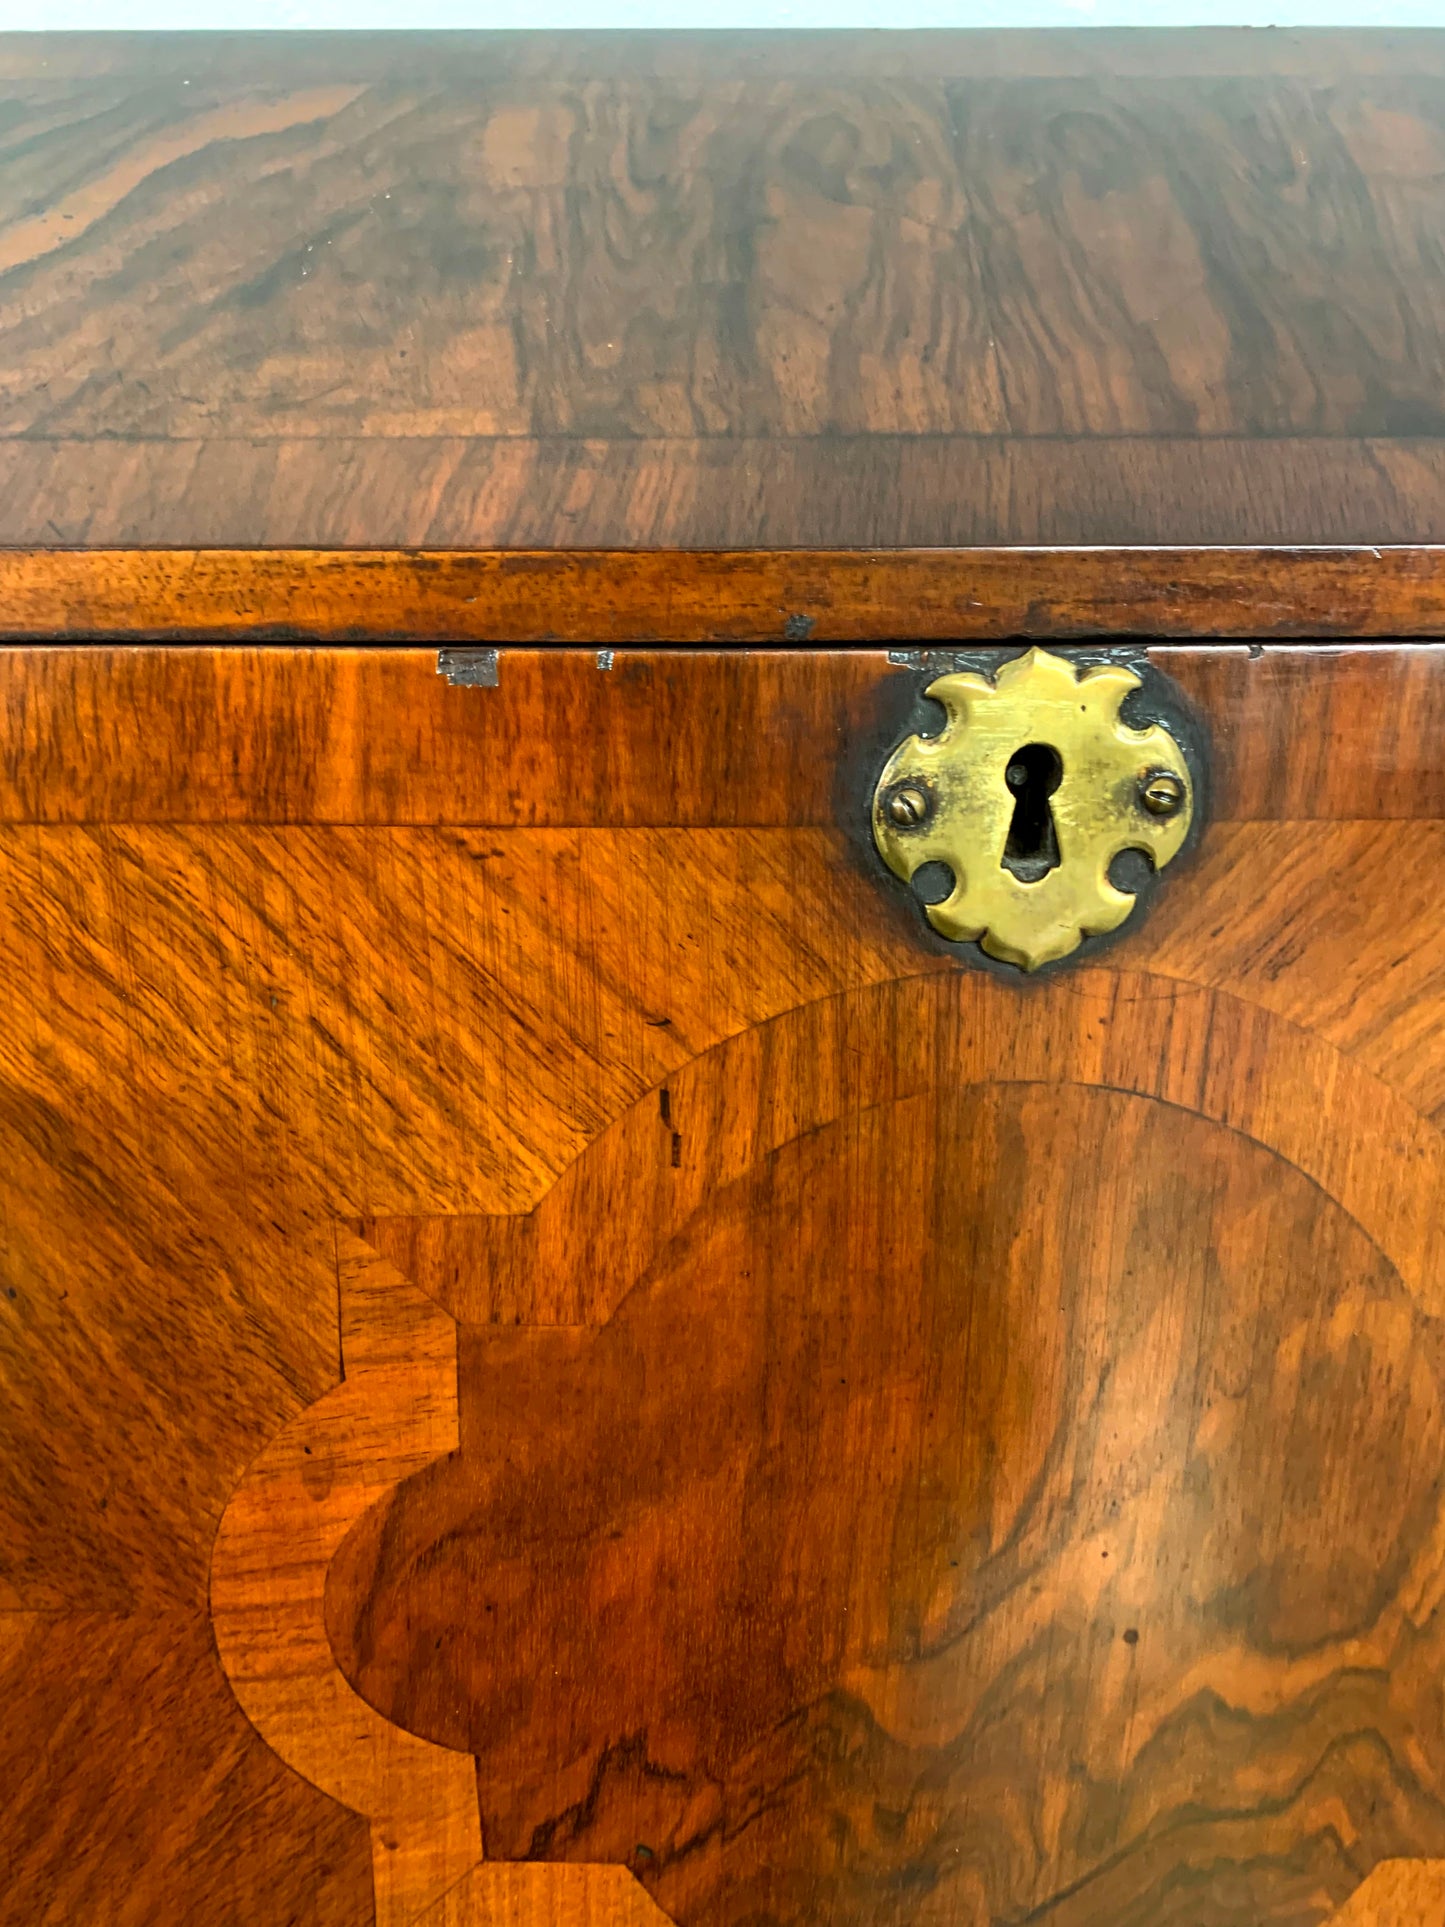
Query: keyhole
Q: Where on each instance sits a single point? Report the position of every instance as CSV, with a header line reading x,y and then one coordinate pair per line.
x,y
1032,849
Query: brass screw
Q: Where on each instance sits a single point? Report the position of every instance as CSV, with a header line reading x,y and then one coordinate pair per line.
x,y
1162,793
907,807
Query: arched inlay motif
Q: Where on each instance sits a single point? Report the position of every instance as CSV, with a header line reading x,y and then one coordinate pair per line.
x,y
873,1498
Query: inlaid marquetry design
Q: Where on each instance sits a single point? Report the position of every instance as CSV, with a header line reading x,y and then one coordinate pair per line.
x,y
870,1468
452,1136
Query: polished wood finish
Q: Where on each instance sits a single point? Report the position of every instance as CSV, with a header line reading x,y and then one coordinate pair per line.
x,y
730,596
867,491
564,1362
722,290
653,739
459,1141
822,1558
395,1413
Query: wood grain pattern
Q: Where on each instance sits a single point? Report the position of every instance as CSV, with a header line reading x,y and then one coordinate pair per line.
x,y
923,254
135,1791
723,492
500,1894
396,1412
831,595
461,288
641,1079
1399,1893
1036,1376
774,739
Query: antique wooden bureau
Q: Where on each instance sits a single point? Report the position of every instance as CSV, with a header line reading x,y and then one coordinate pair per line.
x,y
722,1081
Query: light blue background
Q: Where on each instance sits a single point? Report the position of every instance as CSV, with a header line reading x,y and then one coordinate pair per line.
x,y
112,14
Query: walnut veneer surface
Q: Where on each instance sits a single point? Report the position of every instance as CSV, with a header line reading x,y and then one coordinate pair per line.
x,y
722,289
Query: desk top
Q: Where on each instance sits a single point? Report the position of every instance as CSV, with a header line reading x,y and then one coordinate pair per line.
x,y
722,290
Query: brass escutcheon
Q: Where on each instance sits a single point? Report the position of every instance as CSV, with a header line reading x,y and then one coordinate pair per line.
x,y
1028,794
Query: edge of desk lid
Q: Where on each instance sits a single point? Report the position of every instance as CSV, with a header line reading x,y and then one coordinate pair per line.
x,y
748,596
